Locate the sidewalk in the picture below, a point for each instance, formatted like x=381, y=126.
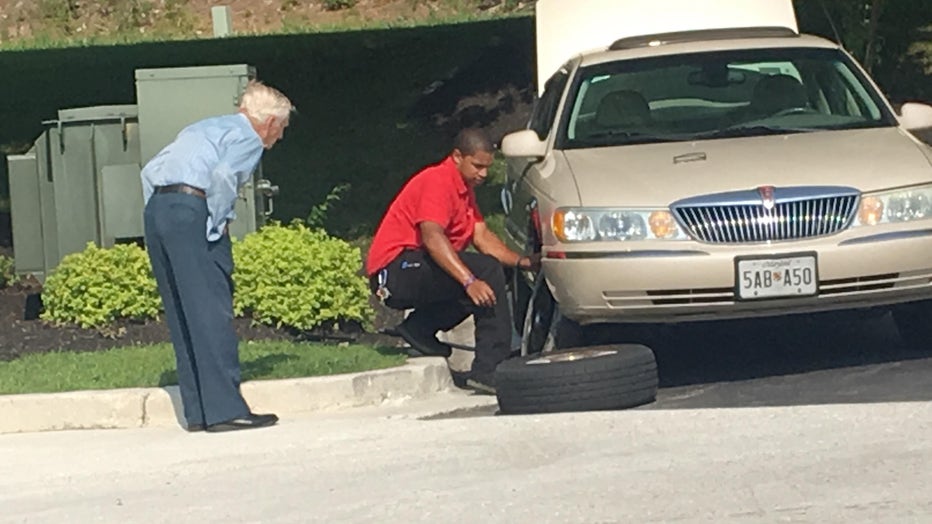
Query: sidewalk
x=419, y=378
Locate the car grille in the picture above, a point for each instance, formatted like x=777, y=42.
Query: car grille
x=748, y=221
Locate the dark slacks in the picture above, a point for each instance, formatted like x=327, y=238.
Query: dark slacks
x=440, y=302
x=194, y=281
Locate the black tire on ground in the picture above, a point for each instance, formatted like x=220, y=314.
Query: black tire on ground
x=582, y=379
x=914, y=322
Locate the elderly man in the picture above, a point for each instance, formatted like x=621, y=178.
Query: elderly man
x=190, y=189
x=418, y=259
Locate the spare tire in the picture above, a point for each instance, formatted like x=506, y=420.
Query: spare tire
x=582, y=379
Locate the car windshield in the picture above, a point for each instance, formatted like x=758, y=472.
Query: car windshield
x=725, y=94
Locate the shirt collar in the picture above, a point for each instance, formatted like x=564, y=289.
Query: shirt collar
x=458, y=181
x=248, y=124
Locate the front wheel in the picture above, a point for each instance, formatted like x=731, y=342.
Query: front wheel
x=544, y=328
x=520, y=296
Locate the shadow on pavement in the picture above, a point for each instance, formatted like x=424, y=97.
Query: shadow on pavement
x=805, y=359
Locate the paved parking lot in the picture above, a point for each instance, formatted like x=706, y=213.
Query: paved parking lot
x=789, y=361
x=807, y=360
x=808, y=420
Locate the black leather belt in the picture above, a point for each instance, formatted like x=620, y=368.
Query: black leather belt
x=181, y=188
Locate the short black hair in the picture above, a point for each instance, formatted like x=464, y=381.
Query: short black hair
x=471, y=140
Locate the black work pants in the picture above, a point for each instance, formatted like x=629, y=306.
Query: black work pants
x=439, y=302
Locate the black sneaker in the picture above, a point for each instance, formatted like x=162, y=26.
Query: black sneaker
x=425, y=343
x=483, y=384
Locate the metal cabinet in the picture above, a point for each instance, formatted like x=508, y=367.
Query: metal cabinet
x=171, y=98
x=32, y=209
x=79, y=183
x=94, y=154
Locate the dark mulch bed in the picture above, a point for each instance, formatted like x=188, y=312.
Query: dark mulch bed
x=19, y=336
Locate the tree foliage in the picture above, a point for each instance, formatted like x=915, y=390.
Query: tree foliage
x=891, y=38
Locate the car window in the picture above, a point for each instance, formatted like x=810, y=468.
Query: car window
x=545, y=110
x=719, y=94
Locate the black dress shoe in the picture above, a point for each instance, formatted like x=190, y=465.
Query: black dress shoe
x=250, y=421
x=194, y=428
x=425, y=343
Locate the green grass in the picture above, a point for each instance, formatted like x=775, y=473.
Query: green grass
x=154, y=366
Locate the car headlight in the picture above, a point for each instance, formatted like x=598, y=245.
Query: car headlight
x=590, y=224
x=891, y=207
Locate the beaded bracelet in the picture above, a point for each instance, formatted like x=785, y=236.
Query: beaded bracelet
x=469, y=281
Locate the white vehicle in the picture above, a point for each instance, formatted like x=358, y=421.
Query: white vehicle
x=708, y=165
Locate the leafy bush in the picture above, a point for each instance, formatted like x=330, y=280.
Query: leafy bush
x=98, y=286
x=317, y=218
x=6, y=271
x=299, y=277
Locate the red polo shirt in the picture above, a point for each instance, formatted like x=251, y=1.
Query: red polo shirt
x=436, y=194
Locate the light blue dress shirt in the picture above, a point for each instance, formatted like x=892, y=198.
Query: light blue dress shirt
x=217, y=155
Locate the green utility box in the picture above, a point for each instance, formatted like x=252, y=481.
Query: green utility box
x=78, y=184
x=171, y=98
x=32, y=207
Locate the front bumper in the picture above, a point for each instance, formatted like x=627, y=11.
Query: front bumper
x=689, y=281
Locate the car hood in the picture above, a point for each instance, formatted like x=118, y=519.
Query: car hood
x=658, y=174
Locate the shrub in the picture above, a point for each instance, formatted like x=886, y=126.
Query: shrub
x=6, y=271
x=98, y=286
x=299, y=277
x=318, y=214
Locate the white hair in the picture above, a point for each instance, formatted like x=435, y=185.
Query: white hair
x=260, y=102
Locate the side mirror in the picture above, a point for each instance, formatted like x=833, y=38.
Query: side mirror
x=524, y=144
x=915, y=116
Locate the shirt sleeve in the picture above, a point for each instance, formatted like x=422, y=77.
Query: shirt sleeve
x=239, y=158
x=147, y=188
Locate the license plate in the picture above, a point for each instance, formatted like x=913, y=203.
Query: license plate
x=775, y=277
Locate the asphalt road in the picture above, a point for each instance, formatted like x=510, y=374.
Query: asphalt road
x=850, y=358
x=804, y=360
x=826, y=464
x=817, y=419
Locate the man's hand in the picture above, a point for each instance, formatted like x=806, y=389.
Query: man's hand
x=486, y=241
x=481, y=294
x=529, y=262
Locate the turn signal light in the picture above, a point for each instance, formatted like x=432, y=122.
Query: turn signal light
x=662, y=224
x=871, y=212
x=558, y=223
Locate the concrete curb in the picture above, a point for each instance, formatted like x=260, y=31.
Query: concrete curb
x=419, y=378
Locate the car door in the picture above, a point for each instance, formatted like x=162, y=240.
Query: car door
x=519, y=194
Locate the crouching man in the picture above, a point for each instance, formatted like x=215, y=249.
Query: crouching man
x=418, y=259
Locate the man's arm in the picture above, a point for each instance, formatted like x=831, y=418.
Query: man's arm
x=487, y=242
x=439, y=248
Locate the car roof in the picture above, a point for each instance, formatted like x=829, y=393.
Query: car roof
x=567, y=28
x=703, y=41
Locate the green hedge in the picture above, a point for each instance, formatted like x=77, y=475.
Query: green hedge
x=97, y=286
x=299, y=277
x=284, y=276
